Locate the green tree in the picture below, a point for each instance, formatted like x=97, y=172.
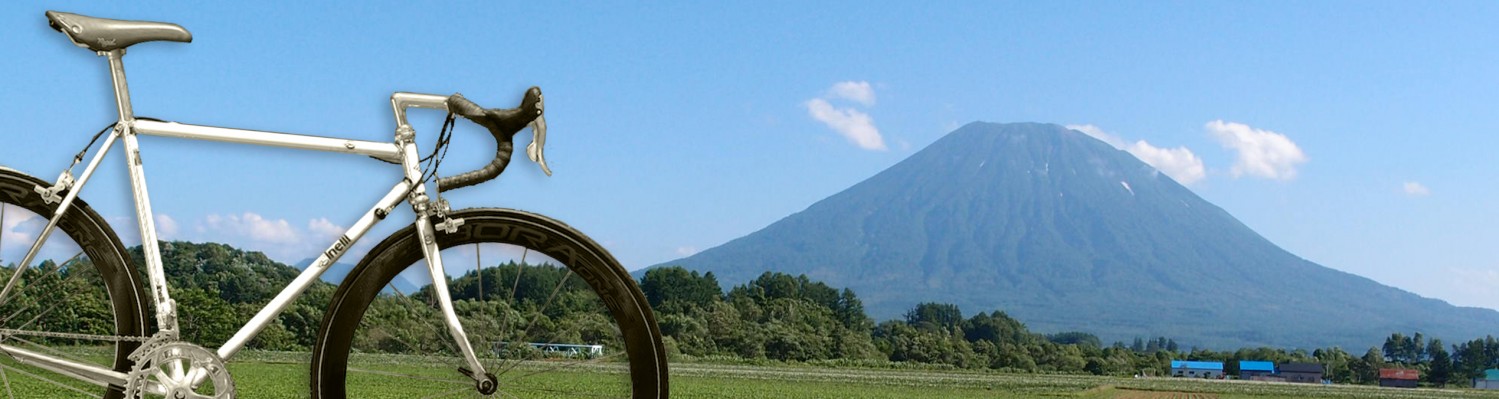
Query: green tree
x=1469, y=359
x=1336, y=363
x=935, y=316
x=1366, y=369
x=675, y=284
x=203, y=316
x=1075, y=338
x=996, y=327
x=1440, y=371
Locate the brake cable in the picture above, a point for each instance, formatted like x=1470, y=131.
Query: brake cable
x=79, y=158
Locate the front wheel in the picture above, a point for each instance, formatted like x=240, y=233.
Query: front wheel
x=548, y=312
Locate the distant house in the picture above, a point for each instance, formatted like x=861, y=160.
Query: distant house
x=1302, y=372
x=1490, y=380
x=1401, y=378
x=1250, y=369
x=1191, y=369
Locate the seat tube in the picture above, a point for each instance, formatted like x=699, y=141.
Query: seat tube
x=166, y=310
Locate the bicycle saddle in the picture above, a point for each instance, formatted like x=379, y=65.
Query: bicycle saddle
x=100, y=34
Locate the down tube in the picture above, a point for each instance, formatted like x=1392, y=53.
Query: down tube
x=315, y=270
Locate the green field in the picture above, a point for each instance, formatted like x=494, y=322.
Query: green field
x=284, y=375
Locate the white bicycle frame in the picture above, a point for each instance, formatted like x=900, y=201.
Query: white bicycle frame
x=410, y=189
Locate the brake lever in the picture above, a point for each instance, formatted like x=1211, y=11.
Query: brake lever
x=539, y=139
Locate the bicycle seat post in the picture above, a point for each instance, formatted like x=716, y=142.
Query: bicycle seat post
x=122, y=90
x=166, y=313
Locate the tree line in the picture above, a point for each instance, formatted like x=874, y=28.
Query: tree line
x=792, y=318
x=775, y=317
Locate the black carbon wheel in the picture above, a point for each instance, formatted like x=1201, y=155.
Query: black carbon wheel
x=572, y=324
x=75, y=301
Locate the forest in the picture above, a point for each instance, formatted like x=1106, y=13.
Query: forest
x=786, y=318
x=773, y=318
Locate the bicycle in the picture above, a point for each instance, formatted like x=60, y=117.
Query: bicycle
x=99, y=340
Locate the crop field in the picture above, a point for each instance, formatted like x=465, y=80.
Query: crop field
x=1131, y=394
x=284, y=375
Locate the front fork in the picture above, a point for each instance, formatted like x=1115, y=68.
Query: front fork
x=425, y=209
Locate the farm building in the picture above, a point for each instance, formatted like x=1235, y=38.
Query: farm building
x=1302, y=372
x=1490, y=380
x=1249, y=369
x=1401, y=378
x=1191, y=369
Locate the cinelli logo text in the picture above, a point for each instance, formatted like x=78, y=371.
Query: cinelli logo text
x=338, y=247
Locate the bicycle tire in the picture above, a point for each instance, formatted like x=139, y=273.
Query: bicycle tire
x=627, y=307
x=95, y=238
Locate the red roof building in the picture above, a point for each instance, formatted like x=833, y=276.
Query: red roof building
x=1402, y=378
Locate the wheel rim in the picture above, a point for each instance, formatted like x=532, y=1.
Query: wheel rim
x=97, y=322
x=527, y=307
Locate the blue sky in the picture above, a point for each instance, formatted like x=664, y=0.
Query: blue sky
x=1359, y=135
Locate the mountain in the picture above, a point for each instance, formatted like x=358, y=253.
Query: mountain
x=335, y=273
x=1066, y=233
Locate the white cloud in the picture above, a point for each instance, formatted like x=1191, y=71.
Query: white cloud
x=322, y=229
x=18, y=232
x=687, y=251
x=851, y=123
x=252, y=226
x=859, y=92
x=854, y=125
x=166, y=227
x=13, y=237
x=1261, y=153
x=1179, y=163
x=1416, y=189
x=1098, y=133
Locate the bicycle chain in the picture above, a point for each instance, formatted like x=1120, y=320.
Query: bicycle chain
x=6, y=333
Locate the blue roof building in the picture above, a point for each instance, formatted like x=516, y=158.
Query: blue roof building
x=1195, y=369
x=1490, y=380
x=1249, y=369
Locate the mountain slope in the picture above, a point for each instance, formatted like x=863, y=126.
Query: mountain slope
x=1067, y=233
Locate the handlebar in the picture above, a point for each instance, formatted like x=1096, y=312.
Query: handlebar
x=503, y=124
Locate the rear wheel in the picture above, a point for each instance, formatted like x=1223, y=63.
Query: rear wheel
x=79, y=300
x=548, y=312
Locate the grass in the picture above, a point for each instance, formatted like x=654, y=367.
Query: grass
x=285, y=375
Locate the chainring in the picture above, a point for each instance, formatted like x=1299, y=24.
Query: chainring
x=169, y=370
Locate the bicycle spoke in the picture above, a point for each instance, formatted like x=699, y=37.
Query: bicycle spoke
x=48, y=380
x=414, y=377
x=55, y=268
x=365, y=323
x=444, y=394
x=558, y=391
x=437, y=332
x=541, y=312
x=479, y=270
x=530, y=337
x=54, y=351
x=75, y=304
x=2, y=245
x=570, y=365
x=515, y=289
x=4, y=376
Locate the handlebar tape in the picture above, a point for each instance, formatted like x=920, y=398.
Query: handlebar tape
x=503, y=124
